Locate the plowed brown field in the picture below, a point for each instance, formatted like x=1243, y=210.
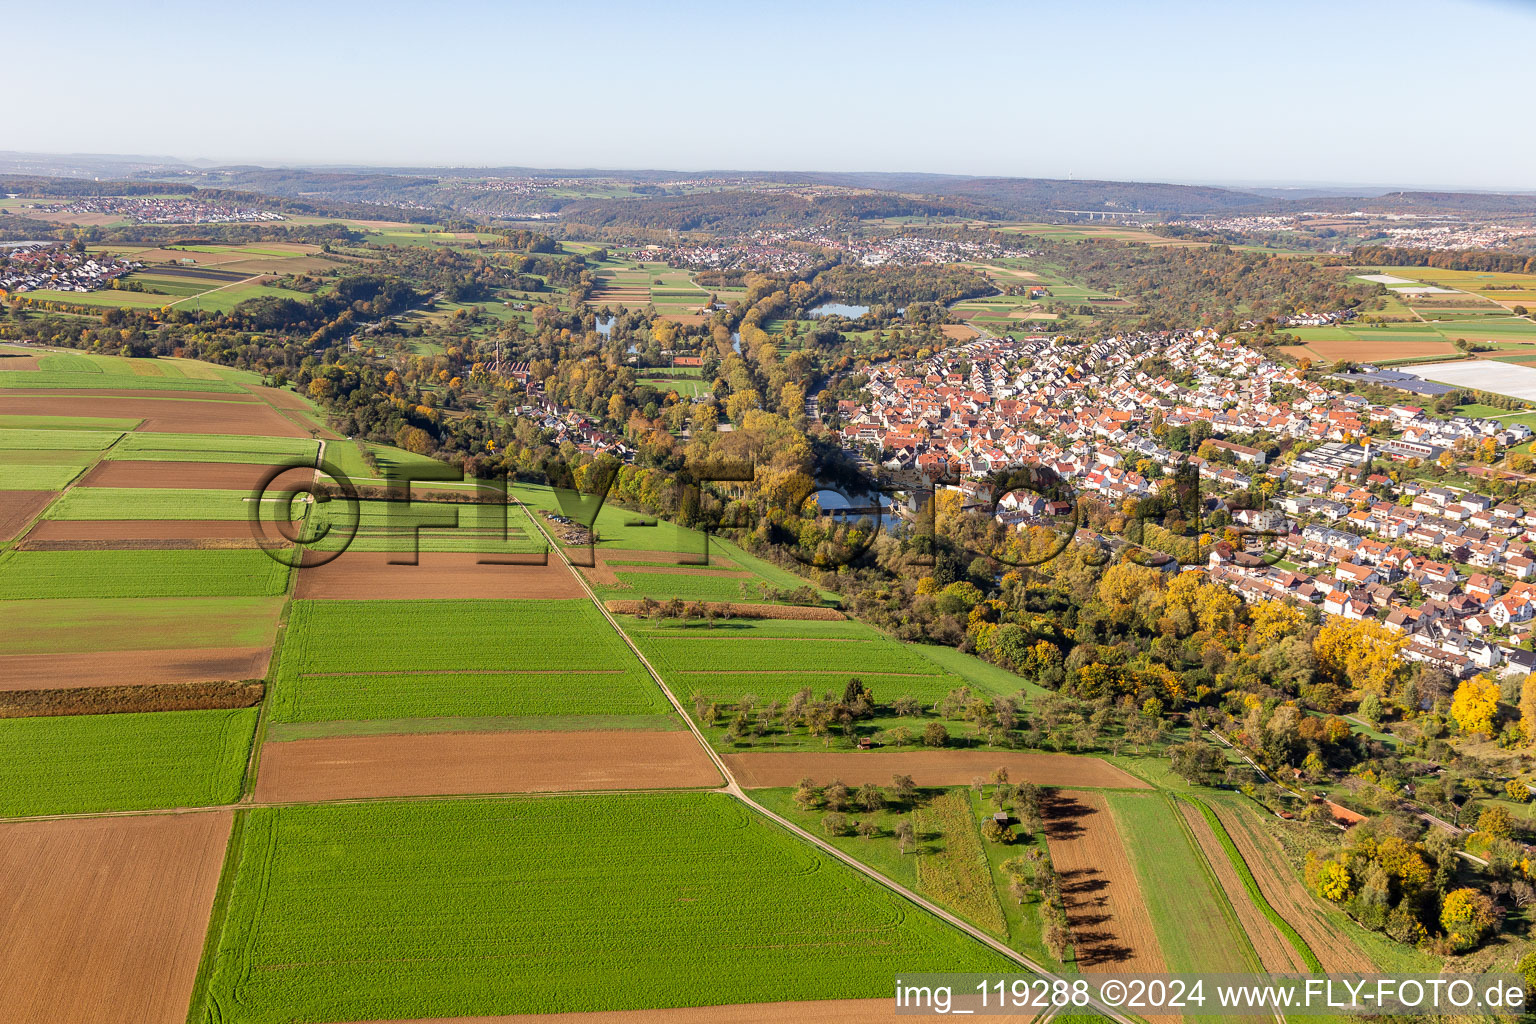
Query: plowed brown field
x=441, y=764
x=1111, y=929
x=232, y=476
x=18, y=508
x=104, y=918
x=364, y=575
x=1275, y=951
x=161, y=412
x=927, y=768
x=1283, y=888
x=124, y=668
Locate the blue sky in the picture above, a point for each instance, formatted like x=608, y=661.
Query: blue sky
x=1407, y=93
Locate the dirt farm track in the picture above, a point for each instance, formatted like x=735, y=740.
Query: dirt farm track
x=104, y=919
x=927, y=768
x=443, y=764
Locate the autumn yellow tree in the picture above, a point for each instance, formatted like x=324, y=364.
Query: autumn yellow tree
x=1476, y=705
x=1359, y=654
x=1273, y=621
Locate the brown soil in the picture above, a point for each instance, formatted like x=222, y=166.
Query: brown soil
x=600, y=574
x=104, y=918
x=229, y=476
x=1275, y=951
x=829, y=1011
x=440, y=764
x=1283, y=888
x=1111, y=929
x=161, y=413
x=364, y=575
x=128, y=668
x=927, y=768
x=8, y=362
x=959, y=332
x=746, y=611
x=18, y=508
x=116, y=700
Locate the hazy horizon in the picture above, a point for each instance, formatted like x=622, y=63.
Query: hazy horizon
x=1324, y=95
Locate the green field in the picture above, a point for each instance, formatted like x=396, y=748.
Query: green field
x=136, y=624
x=1197, y=928
x=41, y=439
x=103, y=423
x=98, y=503
x=102, y=574
x=772, y=659
x=359, y=660
x=16, y=476
x=84, y=763
x=215, y=448
x=413, y=910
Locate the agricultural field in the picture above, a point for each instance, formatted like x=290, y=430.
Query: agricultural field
x=29, y=575
x=703, y=880
x=775, y=658
x=128, y=896
x=345, y=661
x=169, y=447
x=948, y=862
x=85, y=763
x=124, y=624
x=1197, y=928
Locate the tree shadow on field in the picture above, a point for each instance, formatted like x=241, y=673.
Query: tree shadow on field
x=1062, y=816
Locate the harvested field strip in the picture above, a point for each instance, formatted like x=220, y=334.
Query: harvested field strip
x=19, y=508
x=1299, y=955
x=746, y=611
x=117, y=700
x=159, y=414
x=330, y=900
x=132, y=668
x=1197, y=929
x=234, y=476
x=359, y=767
x=105, y=918
x=101, y=574
x=1282, y=888
x=370, y=576
x=958, y=874
x=83, y=763
x=928, y=768
x=1111, y=928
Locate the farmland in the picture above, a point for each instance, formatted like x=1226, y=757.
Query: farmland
x=703, y=881
x=344, y=661
x=129, y=896
x=96, y=574
x=1196, y=927
x=70, y=765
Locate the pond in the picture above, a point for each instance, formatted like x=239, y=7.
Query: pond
x=838, y=309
